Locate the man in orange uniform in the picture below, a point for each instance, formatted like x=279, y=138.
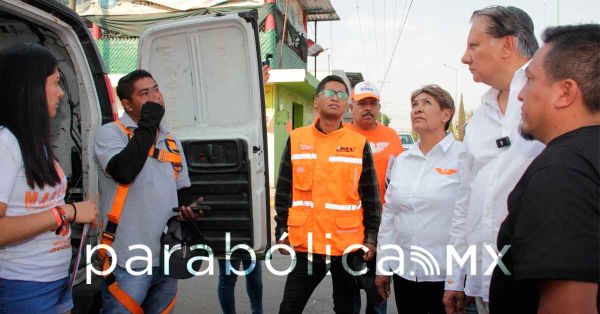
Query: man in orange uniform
x=385, y=145
x=327, y=202
x=385, y=142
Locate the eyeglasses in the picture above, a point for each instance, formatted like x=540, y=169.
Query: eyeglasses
x=330, y=93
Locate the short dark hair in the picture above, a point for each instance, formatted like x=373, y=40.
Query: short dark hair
x=510, y=21
x=327, y=79
x=574, y=53
x=440, y=95
x=125, y=86
x=24, y=70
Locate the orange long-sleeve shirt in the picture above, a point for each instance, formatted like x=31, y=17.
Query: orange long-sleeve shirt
x=384, y=142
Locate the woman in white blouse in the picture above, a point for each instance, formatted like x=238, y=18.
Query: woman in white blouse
x=418, y=208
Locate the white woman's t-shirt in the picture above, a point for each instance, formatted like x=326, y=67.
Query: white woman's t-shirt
x=42, y=258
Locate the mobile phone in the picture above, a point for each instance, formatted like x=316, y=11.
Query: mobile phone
x=195, y=208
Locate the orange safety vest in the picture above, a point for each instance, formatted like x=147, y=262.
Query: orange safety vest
x=325, y=199
x=173, y=155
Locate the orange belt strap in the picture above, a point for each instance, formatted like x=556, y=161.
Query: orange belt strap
x=173, y=156
x=171, y=305
x=125, y=299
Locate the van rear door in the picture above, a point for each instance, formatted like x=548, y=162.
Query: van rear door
x=209, y=71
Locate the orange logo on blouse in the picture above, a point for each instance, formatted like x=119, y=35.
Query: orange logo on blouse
x=446, y=171
x=33, y=202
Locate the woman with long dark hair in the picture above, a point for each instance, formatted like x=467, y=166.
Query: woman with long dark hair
x=34, y=219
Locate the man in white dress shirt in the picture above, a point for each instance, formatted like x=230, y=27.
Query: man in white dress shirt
x=500, y=43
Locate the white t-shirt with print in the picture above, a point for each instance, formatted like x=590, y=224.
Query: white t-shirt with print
x=43, y=258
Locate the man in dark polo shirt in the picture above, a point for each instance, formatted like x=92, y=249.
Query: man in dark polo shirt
x=553, y=222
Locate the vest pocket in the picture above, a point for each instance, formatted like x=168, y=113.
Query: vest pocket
x=303, y=174
x=347, y=222
x=348, y=232
x=296, y=222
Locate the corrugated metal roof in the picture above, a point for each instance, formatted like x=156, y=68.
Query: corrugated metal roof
x=354, y=78
x=319, y=10
x=268, y=44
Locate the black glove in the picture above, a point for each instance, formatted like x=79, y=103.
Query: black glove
x=128, y=163
x=151, y=115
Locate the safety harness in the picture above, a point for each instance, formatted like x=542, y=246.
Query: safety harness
x=171, y=155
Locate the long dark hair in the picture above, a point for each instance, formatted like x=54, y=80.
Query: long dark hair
x=24, y=68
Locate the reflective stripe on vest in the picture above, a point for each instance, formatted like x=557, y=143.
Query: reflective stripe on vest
x=304, y=156
x=348, y=160
x=303, y=203
x=172, y=154
x=343, y=206
x=326, y=169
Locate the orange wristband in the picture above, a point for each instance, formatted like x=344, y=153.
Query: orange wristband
x=57, y=217
x=63, y=230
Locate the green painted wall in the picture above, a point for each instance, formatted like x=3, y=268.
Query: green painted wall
x=285, y=97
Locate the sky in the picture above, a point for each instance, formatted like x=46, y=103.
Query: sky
x=434, y=34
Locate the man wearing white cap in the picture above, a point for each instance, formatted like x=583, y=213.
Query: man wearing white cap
x=385, y=144
x=384, y=141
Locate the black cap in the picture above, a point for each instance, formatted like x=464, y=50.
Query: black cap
x=186, y=234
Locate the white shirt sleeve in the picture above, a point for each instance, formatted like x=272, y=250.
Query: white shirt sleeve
x=385, y=236
x=386, y=230
x=9, y=167
x=459, y=220
x=109, y=142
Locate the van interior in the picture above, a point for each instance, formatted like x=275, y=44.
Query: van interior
x=78, y=115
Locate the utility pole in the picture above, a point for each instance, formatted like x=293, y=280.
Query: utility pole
x=315, y=44
x=73, y=5
x=455, y=79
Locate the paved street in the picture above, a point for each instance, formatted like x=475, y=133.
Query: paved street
x=199, y=294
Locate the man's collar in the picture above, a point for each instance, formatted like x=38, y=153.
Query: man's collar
x=318, y=126
x=127, y=120
x=491, y=96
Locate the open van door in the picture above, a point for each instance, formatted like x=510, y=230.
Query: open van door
x=209, y=71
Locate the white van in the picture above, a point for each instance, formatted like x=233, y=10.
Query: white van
x=209, y=71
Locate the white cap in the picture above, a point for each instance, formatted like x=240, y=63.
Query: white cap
x=364, y=90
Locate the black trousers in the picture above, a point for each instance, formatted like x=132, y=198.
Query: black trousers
x=299, y=285
x=418, y=297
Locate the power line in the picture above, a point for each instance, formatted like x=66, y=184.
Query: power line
x=330, y=46
x=395, y=14
x=362, y=39
x=384, y=32
x=395, y=46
